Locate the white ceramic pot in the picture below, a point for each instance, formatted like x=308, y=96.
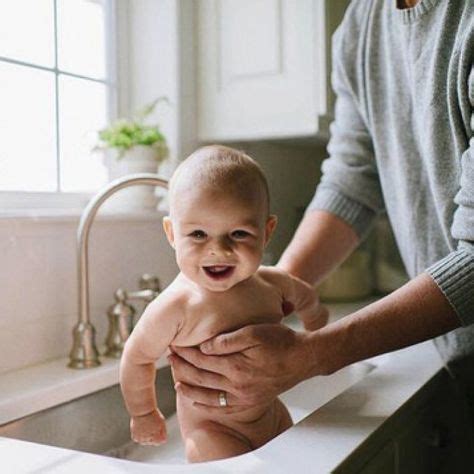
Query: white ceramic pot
x=138, y=159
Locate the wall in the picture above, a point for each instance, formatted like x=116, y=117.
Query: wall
x=38, y=279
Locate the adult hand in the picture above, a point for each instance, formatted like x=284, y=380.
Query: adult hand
x=251, y=365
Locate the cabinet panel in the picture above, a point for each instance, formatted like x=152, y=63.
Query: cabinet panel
x=383, y=462
x=250, y=34
x=430, y=434
x=262, y=67
x=437, y=439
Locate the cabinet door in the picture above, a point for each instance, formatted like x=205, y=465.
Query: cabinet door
x=437, y=439
x=383, y=462
x=263, y=67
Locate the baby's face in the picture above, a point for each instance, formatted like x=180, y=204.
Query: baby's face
x=218, y=239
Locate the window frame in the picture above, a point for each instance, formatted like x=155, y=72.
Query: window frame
x=25, y=202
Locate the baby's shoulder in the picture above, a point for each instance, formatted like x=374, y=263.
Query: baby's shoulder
x=174, y=299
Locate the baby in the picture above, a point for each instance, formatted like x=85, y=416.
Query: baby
x=218, y=225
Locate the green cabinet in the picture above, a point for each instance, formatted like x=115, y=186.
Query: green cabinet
x=430, y=434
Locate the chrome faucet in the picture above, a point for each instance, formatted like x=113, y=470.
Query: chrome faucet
x=121, y=314
x=84, y=353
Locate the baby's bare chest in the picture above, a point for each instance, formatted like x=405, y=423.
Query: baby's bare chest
x=209, y=316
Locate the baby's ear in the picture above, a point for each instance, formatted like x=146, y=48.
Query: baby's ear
x=168, y=228
x=270, y=227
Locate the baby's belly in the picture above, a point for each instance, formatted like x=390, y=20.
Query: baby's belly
x=257, y=424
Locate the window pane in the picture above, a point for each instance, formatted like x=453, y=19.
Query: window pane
x=27, y=30
x=81, y=37
x=27, y=129
x=82, y=111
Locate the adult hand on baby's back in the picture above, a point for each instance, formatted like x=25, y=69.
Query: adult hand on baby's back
x=251, y=365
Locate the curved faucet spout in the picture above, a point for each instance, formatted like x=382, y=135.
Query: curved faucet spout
x=84, y=352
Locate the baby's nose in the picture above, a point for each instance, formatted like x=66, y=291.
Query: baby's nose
x=220, y=247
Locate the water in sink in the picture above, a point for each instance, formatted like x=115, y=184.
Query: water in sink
x=98, y=423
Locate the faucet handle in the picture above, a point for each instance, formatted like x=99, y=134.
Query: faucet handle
x=121, y=314
x=149, y=282
x=120, y=317
x=149, y=289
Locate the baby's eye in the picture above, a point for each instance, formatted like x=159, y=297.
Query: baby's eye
x=240, y=234
x=198, y=234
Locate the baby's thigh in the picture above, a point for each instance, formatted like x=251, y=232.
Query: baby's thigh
x=229, y=435
x=273, y=421
x=213, y=442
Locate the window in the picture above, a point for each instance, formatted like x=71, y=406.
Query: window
x=56, y=91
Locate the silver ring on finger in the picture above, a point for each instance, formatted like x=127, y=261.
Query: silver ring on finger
x=222, y=399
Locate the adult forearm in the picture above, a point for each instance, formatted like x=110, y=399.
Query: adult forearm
x=321, y=243
x=415, y=312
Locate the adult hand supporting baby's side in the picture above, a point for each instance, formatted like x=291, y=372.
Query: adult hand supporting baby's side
x=252, y=365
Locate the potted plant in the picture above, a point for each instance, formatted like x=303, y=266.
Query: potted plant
x=131, y=145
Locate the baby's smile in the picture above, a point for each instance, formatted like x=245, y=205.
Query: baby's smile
x=219, y=272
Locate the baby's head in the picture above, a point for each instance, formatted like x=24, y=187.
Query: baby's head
x=219, y=222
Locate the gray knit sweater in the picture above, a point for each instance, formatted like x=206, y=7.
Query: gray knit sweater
x=402, y=141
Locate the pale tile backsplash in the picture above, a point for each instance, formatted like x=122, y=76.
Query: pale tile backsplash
x=38, y=279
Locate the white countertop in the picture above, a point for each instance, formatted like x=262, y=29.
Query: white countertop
x=46, y=385
x=318, y=443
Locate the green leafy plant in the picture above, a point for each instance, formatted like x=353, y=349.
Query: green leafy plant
x=123, y=134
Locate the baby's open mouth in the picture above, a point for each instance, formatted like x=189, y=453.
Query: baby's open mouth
x=218, y=272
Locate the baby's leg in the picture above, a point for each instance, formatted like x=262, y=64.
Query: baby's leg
x=203, y=444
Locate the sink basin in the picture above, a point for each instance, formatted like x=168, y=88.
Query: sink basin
x=98, y=423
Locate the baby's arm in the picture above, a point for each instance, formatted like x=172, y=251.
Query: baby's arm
x=303, y=298
x=149, y=340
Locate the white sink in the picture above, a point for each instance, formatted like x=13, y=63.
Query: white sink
x=98, y=423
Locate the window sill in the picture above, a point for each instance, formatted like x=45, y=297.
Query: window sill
x=73, y=215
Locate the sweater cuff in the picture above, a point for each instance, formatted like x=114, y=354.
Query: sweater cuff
x=358, y=216
x=454, y=274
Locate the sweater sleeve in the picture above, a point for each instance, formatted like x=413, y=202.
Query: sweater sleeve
x=349, y=186
x=454, y=274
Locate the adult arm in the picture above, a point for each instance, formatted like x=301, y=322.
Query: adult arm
x=417, y=311
x=454, y=274
x=321, y=243
x=414, y=313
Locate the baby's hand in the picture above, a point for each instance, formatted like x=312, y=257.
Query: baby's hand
x=149, y=429
x=316, y=320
